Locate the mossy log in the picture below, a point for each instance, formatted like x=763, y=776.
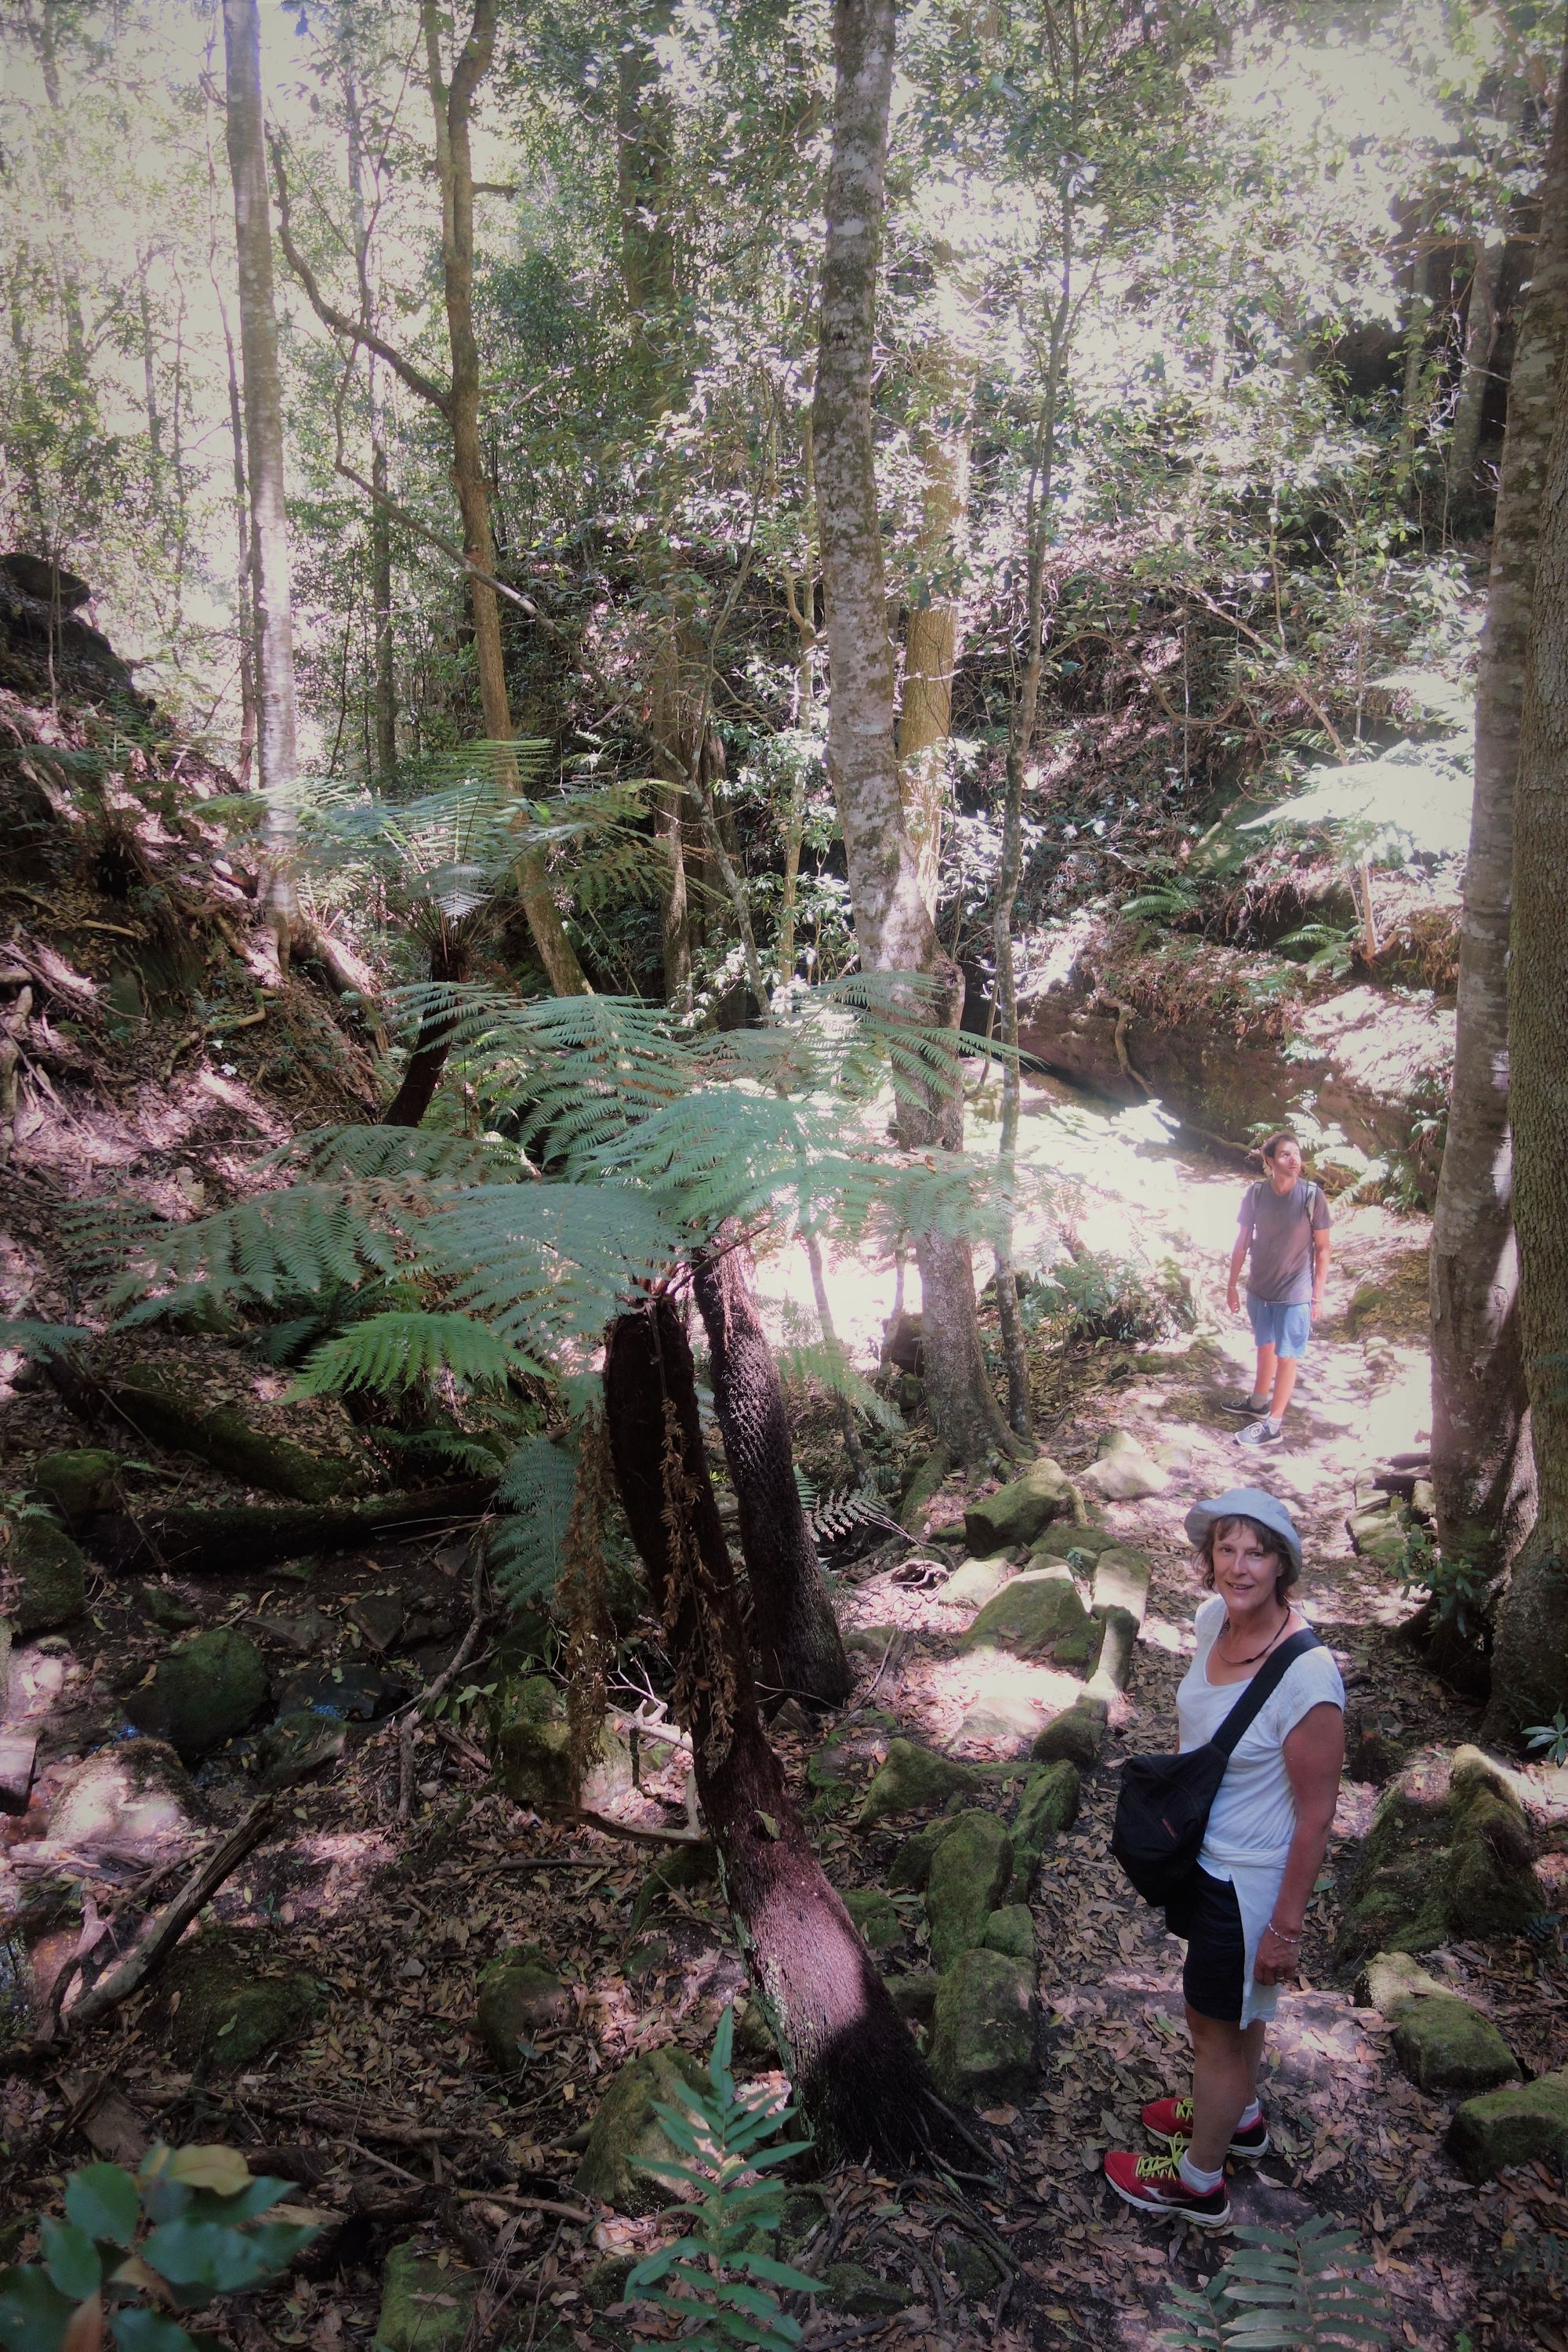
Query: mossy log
x=210, y=1542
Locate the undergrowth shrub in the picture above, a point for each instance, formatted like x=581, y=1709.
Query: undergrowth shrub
x=1283, y=2290
x=1096, y=1296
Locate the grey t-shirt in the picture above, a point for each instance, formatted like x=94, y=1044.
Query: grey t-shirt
x=1279, y=1227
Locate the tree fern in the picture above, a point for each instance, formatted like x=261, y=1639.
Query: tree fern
x=1298, y=2290
x=527, y=1548
x=404, y=1347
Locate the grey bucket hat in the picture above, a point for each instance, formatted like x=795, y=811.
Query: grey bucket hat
x=1247, y=1503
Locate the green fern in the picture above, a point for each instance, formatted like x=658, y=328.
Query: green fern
x=1298, y=2290
x=526, y=1549
x=40, y=1342
x=710, y=2282
x=404, y=1348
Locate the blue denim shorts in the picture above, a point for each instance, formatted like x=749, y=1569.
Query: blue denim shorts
x=1286, y=1329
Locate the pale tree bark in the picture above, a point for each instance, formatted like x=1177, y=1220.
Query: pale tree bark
x=800, y=601
x=893, y=924
x=271, y=602
x=383, y=691
x=1529, y=1660
x=931, y=629
x=1480, y=1453
x=1476, y=375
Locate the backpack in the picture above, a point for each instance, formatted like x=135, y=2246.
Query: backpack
x=1163, y=1804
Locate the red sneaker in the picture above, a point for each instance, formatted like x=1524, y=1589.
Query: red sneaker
x=1172, y=2121
x=1154, y=2185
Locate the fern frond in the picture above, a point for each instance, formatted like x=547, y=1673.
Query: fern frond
x=829, y=1367
x=401, y=1349
x=526, y=1549
x=39, y=1342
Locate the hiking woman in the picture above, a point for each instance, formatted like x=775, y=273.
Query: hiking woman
x=1267, y=1832
x=1282, y=1239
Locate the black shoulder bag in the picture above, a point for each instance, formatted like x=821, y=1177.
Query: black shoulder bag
x=1163, y=1808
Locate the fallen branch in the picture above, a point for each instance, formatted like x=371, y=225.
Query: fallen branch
x=243, y=1537
x=516, y=2204
x=638, y=1835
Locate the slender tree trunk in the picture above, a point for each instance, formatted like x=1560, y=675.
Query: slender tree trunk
x=793, y=1630
x=271, y=591
x=930, y=630
x=450, y=960
x=893, y=921
x=1480, y=1453
x=859, y=2080
x=1530, y=1659
x=801, y=603
x=669, y=824
x=383, y=692
x=452, y=109
x=1475, y=380
x=243, y=601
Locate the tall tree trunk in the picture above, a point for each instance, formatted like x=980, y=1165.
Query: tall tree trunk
x=384, y=690
x=452, y=107
x=1474, y=379
x=893, y=921
x=1480, y=1453
x=669, y=823
x=930, y=630
x=450, y=960
x=243, y=598
x=270, y=593
x=793, y=1630
x=859, y=2080
x=1530, y=1659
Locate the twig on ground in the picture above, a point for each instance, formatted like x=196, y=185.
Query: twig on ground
x=635, y=1832
x=515, y=2203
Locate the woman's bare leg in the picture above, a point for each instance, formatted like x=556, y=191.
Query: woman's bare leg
x=1226, y=2059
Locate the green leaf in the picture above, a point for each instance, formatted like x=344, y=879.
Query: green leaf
x=149, y=2331
x=207, y=2254
x=33, y=2312
x=71, y=2258
x=101, y=2199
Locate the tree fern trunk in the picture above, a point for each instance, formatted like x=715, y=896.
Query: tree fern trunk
x=448, y=961
x=793, y=1630
x=859, y=2080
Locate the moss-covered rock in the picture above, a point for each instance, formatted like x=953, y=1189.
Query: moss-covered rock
x=1378, y=1533
x=1113, y=1659
x=1124, y=1472
x=982, y=2029
x=1444, y=2044
x=1509, y=2127
x=1391, y=1979
x=912, y=1779
x=910, y=1867
x=299, y=1744
x=50, y=1572
x=1492, y=1887
x=1048, y=1807
x=531, y=1744
x=969, y=1872
x=1076, y=1736
x=424, y=2306
x=626, y=2132
x=1011, y=1930
x=684, y=1871
x=850, y=2287
x=226, y=2014
x=974, y=1583
x=1038, y=1615
x=1002, y=1720
x=208, y=1690
x=1062, y=1539
x=1448, y=1852
x=80, y=1481
x=1121, y=1581
x=1016, y=1513
x=876, y=1917
x=519, y=1995
x=914, y=1995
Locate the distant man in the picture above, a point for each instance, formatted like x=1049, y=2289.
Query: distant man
x=1283, y=1231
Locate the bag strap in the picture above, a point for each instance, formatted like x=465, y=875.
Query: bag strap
x=1261, y=1688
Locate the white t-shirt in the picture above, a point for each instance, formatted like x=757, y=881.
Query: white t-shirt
x=1253, y=1818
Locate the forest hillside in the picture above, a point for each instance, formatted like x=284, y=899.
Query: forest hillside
x=705, y=714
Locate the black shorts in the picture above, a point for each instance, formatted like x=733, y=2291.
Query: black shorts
x=1215, y=1979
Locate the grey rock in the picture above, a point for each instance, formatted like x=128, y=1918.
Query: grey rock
x=1038, y=1615
x=983, y=2031
x=1016, y=1513
x=626, y=2131
x=969, y=1872
x=1124, y=1472
x=209, y=1690
x=1076, y=1735
x=912, y=1779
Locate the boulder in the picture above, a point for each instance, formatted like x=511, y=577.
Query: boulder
x=1076, y=1735
x=850, y=2287
x=1449, y=1851
x=913, y=1780
x=1492, y=1887
x=914, y=1995
x=133, y=1800
x=520, y=1996
x=1379, y=1535
x=1444, y=2044
x=1016, y=1513
x=1048, y=1807
x=1011, y=1930
x=876, y=1917
x=1121, y=1581
x=1374, y=1747
x=754, y=2046
x=1391, y=1979
x=378, y=1616
x=297, y=1745
x=626, y=2131
x=51, y=1576
x=424, y=2306
x=982, y=2029
x=1113, y=1659
x=969, y=1872
x=1124, y=1472
x=226, y=2014
x=1508, y=2127
x=533, y=1750
x=1038, y=1615
x=81, y=1481
x=211, y=1688
x=973, y=1583
x=910, y=1867
x=1000, y=1720
x=1060, y=1541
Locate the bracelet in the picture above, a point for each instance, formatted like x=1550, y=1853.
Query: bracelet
x=1285, y=1937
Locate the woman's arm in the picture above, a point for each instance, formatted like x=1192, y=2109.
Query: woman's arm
x=1314, y=1758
